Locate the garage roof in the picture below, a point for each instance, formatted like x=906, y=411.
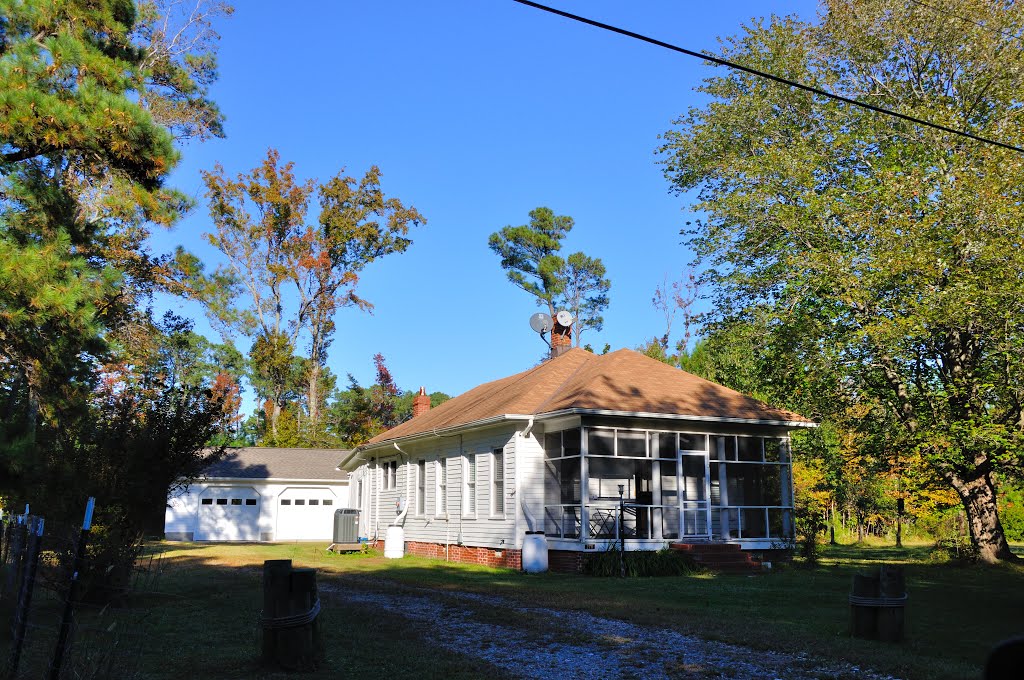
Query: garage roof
x=259, y=462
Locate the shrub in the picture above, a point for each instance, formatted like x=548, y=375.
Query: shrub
x=664, y=562
x=956, y=549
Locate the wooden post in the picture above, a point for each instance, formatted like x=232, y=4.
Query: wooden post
x=291, y=628
x=301, y=652
x=275, y=595
x=863, y=618
x=890, y=618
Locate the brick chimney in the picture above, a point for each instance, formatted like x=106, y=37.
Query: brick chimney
x=561, y=339
x=420, y=403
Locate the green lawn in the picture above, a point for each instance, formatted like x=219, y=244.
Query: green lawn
x=203, y=617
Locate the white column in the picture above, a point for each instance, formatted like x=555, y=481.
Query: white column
x=584, y=488
x=723, y=490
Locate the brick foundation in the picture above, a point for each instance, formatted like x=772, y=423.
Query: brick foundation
x=488, y=557
x=567, y=561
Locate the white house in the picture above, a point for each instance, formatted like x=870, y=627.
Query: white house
x=261, y=494
x=548, y=450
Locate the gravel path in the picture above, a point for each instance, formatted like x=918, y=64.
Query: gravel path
x=534, y=642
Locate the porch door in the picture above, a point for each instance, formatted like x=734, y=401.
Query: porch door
x=693, y=483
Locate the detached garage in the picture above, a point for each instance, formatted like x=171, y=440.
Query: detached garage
x=261, y=494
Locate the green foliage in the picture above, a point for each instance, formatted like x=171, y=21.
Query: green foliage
x=1011, y=512
x=286, y=276
x=884, y=260
x=639, y=563
x=97, y=398
x=529, y=254
x=362, y=413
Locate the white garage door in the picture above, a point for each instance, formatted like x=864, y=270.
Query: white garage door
x=305, y=514
x=229, y=513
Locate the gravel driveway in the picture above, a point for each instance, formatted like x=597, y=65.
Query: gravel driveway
x=534, y=642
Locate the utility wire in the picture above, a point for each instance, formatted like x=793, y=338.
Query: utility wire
x=762, y=74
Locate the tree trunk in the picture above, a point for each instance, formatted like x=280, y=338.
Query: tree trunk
x=313, y=397
x=978, y=496
x=32, y=413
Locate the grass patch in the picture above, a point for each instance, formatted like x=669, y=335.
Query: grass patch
x=203, y=618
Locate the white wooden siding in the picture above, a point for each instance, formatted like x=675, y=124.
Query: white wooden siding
x=483, y=529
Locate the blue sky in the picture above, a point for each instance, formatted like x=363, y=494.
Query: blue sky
x=476, y=112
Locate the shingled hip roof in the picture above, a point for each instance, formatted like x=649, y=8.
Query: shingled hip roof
x=622, y=382
x=258, y=462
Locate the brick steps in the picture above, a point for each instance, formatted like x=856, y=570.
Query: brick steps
x=726, y=558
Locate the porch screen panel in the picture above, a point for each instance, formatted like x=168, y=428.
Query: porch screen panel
x=562, y=483
x=692, y=442
x=601, y=442
x=750, y=480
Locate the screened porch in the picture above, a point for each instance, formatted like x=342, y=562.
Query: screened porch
x=675, y=485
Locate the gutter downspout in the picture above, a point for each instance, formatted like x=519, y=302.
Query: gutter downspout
x=408, y=477
x=462, y=489
x=531, y=522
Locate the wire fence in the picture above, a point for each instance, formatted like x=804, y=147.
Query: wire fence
x=68, y=611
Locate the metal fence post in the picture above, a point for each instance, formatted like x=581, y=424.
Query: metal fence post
x=69, y=605
x=35, y=536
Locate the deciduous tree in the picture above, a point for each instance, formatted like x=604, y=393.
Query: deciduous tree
x=286, y=274
x=893, y=248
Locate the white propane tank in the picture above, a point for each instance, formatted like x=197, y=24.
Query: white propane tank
x=394, y=543
x=535, y=552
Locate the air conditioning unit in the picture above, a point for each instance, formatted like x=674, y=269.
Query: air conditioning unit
x=346, y=526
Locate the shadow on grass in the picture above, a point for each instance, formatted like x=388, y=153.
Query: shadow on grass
x=954, y=616
x=206, y=609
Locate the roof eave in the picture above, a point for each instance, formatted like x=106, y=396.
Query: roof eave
x=275, y=480
x=675, y=416
x=357, y=453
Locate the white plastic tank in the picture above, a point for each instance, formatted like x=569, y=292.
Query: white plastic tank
x=394, y=543
x=535, y=552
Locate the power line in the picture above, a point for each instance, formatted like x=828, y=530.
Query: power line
x=762, y=74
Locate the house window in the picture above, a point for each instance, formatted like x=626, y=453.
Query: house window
x=314, y=501
x=421, y=487
x=441, y=488
x=391, y=474
x=469, y=486
x=497, y=482
x=286, y=501
x=222, y=501
x=236, y=501
x=328, y=501
x=250, y=501
x=207, y=501
x=300, y=501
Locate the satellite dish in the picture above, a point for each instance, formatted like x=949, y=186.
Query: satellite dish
x=564, y=318
x=541, y=322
